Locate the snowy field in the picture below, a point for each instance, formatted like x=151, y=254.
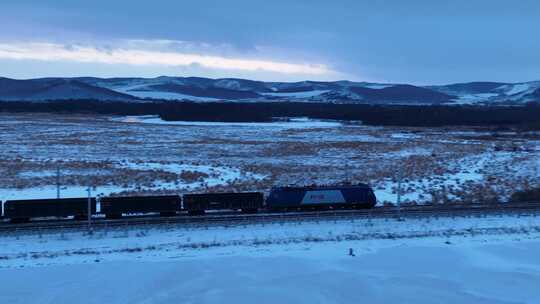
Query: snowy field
x=436, y=260
x=145, y=155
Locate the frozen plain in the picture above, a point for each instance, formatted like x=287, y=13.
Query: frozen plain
x=145, y=155
x=438, y=260
x=489, y=260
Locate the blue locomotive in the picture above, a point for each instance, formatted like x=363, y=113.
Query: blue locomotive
x=321, y=197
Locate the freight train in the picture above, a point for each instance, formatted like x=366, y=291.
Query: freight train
x=280, y=199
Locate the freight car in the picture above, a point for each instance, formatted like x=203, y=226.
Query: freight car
x=321, y=197
x=248, y=202
x=24, y=210
x=165, y=205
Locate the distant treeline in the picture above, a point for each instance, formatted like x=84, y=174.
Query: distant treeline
x=529, y=195
x=400, y=115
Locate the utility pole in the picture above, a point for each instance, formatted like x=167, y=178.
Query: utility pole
x=536, y=182
x=89, y=210
x=58, y=182
x=398, y=203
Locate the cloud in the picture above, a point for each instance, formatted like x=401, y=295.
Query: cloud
x=162, y=53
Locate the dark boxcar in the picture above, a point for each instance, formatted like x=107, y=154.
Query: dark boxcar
x=321, y=197
x=25, y=209
x=248, y=202
x=114, y=207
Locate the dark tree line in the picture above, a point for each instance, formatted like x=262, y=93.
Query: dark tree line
x=529, y=195
x=527, y=117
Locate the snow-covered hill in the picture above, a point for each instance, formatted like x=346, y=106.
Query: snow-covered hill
x=232, y=89
x=55, y=89
x=492, y=92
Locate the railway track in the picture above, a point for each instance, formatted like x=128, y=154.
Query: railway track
x=228, y=219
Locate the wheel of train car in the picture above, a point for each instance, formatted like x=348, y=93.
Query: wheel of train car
x=196, y=212
x=19, y=220
x=277, y=210
x=250, y=210
x=80, y=217
x=165, y=214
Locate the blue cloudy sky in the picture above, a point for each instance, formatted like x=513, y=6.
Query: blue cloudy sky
x=415, y=41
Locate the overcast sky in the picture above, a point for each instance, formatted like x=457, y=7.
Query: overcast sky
x=414, y=41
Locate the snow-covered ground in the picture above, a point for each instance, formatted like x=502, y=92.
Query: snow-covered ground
x=167, y=95
x=304, y=94
x=210, y=177
x=437, y=260
x=139, y=88
x=466, y=171
x=517, y=88
x=293, y=123
x=146, y=155
x=474, y=98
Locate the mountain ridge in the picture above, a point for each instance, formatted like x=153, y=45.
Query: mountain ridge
x=200, y=89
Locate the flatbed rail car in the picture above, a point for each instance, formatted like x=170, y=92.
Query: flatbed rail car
x=248, y=202
x=116, y=207
x=321, y=197
x=24, y=210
